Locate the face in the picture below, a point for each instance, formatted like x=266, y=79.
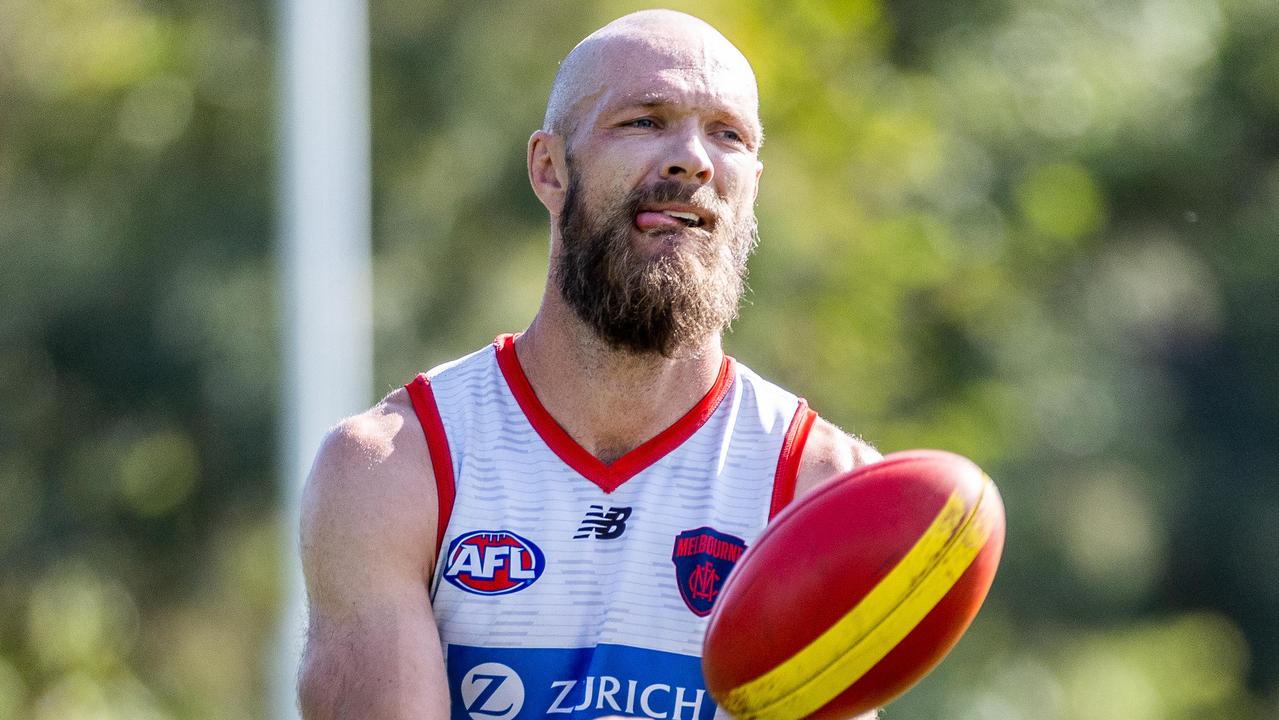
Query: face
x=658, y=217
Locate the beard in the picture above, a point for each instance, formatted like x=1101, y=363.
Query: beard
x=653, y=303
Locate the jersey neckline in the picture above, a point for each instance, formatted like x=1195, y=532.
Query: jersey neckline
x=608, y=476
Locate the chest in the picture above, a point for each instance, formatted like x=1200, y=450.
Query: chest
x=537, y=556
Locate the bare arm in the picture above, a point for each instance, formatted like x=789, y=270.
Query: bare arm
x=368, y=549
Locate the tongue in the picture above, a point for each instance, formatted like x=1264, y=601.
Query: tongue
x=653, y=220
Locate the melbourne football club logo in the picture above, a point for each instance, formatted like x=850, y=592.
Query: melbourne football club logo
x=493, y=562
x=703, y=558
x=492, y=691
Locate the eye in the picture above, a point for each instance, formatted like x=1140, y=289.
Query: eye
x=644, y=122
x=731, y=135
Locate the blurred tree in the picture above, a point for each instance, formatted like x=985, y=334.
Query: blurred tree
x=137, y=358
x=1039, y=233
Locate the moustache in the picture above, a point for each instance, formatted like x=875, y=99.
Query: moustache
x=700, y=197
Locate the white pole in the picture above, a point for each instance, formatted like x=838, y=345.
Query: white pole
x=325, y=221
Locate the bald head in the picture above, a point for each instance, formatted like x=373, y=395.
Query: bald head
x=649, y=41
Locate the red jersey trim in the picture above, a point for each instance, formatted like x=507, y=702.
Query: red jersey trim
x=608, y=477
x=428, y=414
x=790, y=457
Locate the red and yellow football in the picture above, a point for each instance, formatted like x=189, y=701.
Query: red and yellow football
x=857, y=590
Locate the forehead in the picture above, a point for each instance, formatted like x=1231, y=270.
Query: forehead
x=684, y=72
x=681, y=87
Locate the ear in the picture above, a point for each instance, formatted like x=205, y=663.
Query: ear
x=759, y=169
x=547, y=170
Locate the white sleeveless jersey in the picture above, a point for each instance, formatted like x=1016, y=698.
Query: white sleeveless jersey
x=565, y=587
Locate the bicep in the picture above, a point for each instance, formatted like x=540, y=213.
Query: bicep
x=373, y=650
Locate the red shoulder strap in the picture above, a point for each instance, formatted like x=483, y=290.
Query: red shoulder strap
x=437, y=443
x=788, y=460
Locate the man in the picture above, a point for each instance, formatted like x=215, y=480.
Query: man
x=555, y=514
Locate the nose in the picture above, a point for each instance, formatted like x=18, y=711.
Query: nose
x=688, y=160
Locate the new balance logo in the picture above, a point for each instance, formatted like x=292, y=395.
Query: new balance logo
x=603, y=524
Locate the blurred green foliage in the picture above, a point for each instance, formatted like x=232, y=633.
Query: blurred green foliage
x=1041, y=233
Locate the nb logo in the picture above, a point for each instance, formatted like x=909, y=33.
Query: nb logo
x=603, y=524
x=492, y=691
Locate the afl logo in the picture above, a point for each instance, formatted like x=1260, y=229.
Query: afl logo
x=493, y=562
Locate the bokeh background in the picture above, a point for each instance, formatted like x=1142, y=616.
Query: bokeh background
x=1043, y=233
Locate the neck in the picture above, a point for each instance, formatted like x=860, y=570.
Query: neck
x=610, y=401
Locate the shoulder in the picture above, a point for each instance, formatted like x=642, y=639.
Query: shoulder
x=378, y=440
x=371, y=494
x=830, y=452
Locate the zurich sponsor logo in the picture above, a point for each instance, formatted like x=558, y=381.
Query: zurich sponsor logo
x=654, y=700
x=492, y=691
x=495, y=683
x=493, y=562
x=703, y=558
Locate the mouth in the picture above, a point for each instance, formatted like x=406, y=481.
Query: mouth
x=658, y=217
x=689, y=219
